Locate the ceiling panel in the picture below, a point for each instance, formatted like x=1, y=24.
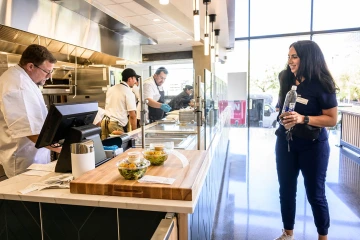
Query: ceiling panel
x=181, y=34
x=175, y=21
x=168, y=27
x=152, y=29
x=154, y=16
x=175, y=48
x=105, y=2
x=148, y=49
x=120, y=10
x=122, y=1
x=138, y=21
x=164, y=35
x=187, y=5
x=172, y=45
x=135, y=7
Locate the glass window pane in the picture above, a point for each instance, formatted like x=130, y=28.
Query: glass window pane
x=343, y=62
x=237, y=60
x=334, y=14
x=241, y=18
x=267, y=58
x=279, y=16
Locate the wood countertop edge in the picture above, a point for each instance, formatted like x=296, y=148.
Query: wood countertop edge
x=63, y=196
x=199, y=182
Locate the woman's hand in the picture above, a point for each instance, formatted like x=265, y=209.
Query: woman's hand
x=290, y=119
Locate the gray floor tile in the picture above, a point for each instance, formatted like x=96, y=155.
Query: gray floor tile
x=249, y=206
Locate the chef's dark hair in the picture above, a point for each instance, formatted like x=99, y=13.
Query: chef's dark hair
x=188, y=87
x=161, y=69
x=36, y=54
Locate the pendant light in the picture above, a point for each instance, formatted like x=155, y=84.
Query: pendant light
x=212, y=18
x=196, y=15
x=206, y=28
x=217, y=33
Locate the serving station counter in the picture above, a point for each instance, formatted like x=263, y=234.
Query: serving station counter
x=119, y=213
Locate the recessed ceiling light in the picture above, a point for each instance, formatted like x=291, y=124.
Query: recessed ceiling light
x=156, y=20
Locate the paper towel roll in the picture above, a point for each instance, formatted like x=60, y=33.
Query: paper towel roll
x=81, y=163
x=82, y=158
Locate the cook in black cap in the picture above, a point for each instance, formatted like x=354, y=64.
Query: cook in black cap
x=127, y=73
x=183, y=99
x=120, y=106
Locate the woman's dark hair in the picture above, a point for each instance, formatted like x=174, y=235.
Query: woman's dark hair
x=36, y=54
x=312, y=68
x=161, y=69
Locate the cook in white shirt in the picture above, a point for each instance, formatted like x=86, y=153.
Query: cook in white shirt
x=120, y=106
x=23, y=110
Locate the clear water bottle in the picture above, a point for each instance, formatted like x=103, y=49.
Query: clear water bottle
x=290, y=100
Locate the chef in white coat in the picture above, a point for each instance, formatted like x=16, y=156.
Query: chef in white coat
x=155, y=95
x=23, y=110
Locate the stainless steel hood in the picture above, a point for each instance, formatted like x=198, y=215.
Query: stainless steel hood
x=66, y=32
x=60, y=73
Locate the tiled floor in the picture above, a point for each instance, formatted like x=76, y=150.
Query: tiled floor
x=250, y=208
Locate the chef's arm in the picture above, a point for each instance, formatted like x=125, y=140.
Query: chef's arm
x=34, y=138
x=153, y=103
x=132, y=120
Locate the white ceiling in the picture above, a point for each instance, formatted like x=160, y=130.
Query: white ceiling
x=170, y=25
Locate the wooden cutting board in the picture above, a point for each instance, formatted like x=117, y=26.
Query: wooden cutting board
x=106, y=179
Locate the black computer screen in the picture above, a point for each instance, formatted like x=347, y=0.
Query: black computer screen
x=72, y=123
x=62, y=117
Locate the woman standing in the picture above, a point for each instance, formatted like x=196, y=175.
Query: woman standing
x=302, y=140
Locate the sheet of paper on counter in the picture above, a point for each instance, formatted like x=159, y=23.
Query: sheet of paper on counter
x=36, y=173
x=156, y=179
x=60, y=181
x=50, y=167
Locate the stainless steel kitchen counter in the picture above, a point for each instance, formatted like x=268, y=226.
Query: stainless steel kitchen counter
x=183, y=136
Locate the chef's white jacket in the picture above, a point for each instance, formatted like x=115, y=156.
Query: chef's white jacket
x=150, y=90
x=119, y=101
x=22, y=114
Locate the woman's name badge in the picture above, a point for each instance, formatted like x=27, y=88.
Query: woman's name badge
x=302, y=100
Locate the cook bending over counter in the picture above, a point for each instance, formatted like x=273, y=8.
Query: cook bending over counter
x=155, y=95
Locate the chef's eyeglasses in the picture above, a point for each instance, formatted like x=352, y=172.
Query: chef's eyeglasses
x=47, y=73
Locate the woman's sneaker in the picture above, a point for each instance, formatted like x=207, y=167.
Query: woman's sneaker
x=284, y=236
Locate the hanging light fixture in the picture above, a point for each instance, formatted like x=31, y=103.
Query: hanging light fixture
x=196, y=15
x=206, y=29
x=217, y=33
x=212, y=18
x=164, y=2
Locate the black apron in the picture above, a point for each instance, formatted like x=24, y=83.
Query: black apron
x=157, y=113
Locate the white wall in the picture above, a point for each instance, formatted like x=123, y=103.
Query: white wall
x=237, y=86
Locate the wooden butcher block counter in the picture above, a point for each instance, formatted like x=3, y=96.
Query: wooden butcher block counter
x=106, y=179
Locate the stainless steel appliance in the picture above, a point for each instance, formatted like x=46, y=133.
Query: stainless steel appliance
x=61, y=83
x=92, y=83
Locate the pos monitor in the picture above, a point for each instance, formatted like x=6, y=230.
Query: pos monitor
x=69, y=123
